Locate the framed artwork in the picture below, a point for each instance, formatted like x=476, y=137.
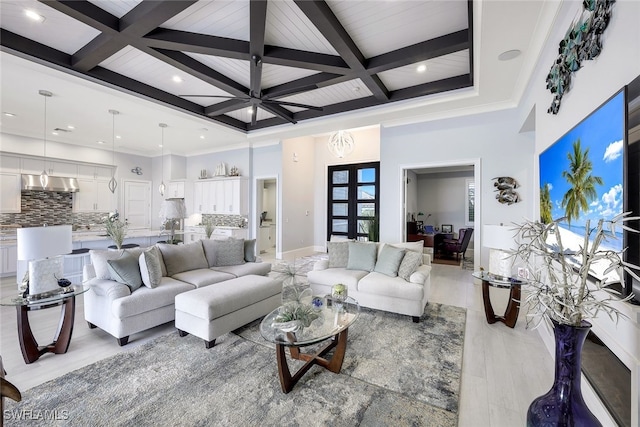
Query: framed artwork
x=447, y=228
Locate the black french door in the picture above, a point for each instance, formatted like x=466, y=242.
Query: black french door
x=353, y=199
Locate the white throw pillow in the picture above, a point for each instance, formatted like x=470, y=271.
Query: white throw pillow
x=150, y=269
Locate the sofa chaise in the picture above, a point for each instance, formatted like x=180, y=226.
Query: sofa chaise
x=389, y=277
x=133, y=290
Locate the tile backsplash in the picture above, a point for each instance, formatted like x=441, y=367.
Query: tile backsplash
x=51, y=208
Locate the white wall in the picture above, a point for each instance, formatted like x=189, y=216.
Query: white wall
x=412, y=196
x=266, y=162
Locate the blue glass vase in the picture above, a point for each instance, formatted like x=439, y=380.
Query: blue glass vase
x=563, y=405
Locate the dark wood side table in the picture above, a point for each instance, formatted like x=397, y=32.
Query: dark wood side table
x=31, y=351
x=510, y=316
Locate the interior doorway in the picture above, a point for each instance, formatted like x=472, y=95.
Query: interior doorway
x=137, y=203
x=267, y=216
x=439, y=196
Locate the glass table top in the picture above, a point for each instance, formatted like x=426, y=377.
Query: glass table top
x=497, y=281
x=332, y=318
x=57, y=298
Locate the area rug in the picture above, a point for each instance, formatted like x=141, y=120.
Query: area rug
x=395, y=372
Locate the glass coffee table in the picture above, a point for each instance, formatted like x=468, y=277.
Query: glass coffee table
x=333, y=322
x=31, y=351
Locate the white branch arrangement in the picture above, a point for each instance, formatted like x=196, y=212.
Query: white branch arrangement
x=116, y=229
x=559, y=285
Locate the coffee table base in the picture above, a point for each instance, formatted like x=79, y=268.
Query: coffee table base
x=288, y=381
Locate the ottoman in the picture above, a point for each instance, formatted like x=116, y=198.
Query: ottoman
x=214, y=310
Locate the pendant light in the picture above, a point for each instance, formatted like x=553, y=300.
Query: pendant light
x=161, y=188
x=341, y=143
x=44, y=177
x=112, y=182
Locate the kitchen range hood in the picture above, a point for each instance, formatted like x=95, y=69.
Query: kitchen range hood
x=56, y=183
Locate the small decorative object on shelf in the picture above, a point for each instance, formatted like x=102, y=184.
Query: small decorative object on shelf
x=203, y=174
x=221, y=169
x=339, y=292
x=234, y=171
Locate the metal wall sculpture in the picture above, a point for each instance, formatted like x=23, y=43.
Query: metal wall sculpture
x=583, y=41
x=506, y=186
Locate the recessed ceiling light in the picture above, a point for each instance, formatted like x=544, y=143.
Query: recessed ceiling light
x=8, y=114
x=33, y=15
x=421, y=68
x=54, y=133
x=250, y=110
x=201, y=136
x=356, y=88
x=100, y=142
x=177, y=79
x=118, y=137
x=160, y=145
x=509, y=54
x=72, y=127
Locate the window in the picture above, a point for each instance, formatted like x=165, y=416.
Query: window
x=469, y=202
x=353, y=200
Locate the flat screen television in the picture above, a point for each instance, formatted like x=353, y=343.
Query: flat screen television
x=583, y=174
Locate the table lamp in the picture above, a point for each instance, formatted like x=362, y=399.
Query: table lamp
x=172, y=210
x=43, y=247
x=499, y=239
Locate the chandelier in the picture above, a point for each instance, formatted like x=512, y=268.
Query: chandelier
x=112, y=182
x=162, y=187
x=44, y=177
x=341, y=143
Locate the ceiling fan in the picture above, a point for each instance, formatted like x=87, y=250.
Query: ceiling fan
x=256, y=101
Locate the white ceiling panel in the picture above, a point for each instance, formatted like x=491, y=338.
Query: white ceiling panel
x=117, y=8
x=245, y=116
x=342, y=92
x=379, y=27
x=58, y=30
x=454, y=64
x=222, y=18
x=235, y=69
x=274, y=75
x=145, y=68
x=288, y=27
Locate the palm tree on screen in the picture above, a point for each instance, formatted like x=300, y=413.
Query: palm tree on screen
x=545, y=204
x=583, y=184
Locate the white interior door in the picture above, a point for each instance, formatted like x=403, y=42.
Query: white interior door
x=137, y=204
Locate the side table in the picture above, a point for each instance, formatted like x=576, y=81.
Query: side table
x=31, y=351
x=510, y=316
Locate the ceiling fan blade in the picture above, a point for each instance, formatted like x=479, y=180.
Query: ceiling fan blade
x=292, y=104
x=214, y=96
x=254, y=115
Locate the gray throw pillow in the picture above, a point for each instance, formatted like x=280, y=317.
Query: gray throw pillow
x=250, y=250
x=338, y=254
x=179, y=258
x=389, y=260
x=150, y=269
x=229, y=252
x=410, y=263
x=99, y=258
x=362, y=256
x=125, y=270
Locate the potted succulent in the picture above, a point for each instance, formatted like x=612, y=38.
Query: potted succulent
x=561, y=291
x=293, y=317
x=208, y=227
x=116, y=228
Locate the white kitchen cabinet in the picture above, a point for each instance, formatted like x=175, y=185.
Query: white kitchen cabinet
x=94, y=172
x=10, y=183
x=175, y=190
x=33, y=166
x=8, y=260
x=265, y=239
x=93, y=196
x=218, y=195
x=66, y=169
x=9, y=163
x=238, y=191
x=201, y=197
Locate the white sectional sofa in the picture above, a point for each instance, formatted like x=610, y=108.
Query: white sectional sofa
x=389, y=277
x=134, y=289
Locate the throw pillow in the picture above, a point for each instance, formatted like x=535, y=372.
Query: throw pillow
x=209, y=246
x=229, y=252
x=179, y=258
x=389, y=260
x=126, y=270
x=410, y=263
x=150, y=269
x=338, y=254
x=412, y=246
x=250, y=250
x=362, y=256
x=99, y=258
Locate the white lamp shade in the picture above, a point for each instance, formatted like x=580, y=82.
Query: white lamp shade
x=498, y=237
x=173, y=209
x=43, y=242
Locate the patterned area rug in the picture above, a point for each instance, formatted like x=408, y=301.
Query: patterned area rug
x=395, y=372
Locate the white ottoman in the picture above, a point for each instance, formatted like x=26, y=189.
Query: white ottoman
x=214, y=310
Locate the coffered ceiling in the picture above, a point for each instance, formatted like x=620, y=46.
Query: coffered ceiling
x=244, y=67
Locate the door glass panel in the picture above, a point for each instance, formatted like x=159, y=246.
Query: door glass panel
x=340, y=193
x=340, y=209
x=367, y=175
x=366, y=192
x=363, y=226
x=340, y=177
x=366, y=209
x=340, y=225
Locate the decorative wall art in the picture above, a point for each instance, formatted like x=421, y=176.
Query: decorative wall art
x=583, y=41
x=137, y=170
x=506, y=186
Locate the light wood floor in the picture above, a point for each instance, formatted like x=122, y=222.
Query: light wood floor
x=503, y=369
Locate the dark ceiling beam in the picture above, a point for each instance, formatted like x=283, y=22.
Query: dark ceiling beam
x=25, y=47
x=470, y=35
x=444, y=85
x=257, y=27
x=184, y=41
x=226, y=106
x=327, y=23
x=198, y=69
x=87, y=13
x=142, y=19
x=303, y=59
x=303, y=84
x=418, y=52
x=279, y=111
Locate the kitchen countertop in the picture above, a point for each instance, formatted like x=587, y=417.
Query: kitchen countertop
x=83, y=236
